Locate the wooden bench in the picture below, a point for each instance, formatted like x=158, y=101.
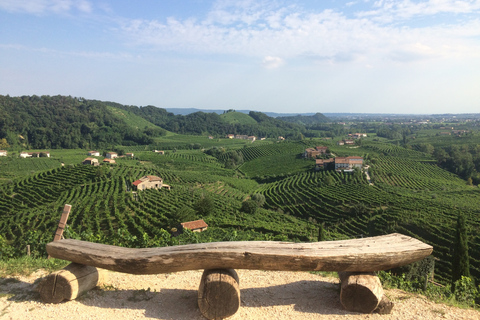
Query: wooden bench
x=219, y=296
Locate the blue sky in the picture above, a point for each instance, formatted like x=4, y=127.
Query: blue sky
x=368, y=56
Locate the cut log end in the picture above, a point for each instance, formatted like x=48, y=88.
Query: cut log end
x=219, y=293
x=360, y=292
x=70, y=282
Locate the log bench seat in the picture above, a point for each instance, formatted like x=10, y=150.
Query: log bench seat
x=219, y=284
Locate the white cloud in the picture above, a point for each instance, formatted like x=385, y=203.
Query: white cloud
x=45, y=6
x=270, y=62
x=390, y=10
x=328, y=34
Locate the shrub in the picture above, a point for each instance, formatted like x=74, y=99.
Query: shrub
x=249, y=206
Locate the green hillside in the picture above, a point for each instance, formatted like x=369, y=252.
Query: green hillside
x=237, y=118
x=131, y=119
x=306, y=120
x=59, y=122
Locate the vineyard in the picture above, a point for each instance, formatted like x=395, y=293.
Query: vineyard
x=414, y=175
x=410, y=195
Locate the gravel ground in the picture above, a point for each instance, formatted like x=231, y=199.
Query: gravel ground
x=264, y=295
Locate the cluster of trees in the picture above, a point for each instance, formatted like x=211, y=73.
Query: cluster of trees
x=65, y=122
x=306, y=120
x=462, y=160
x=395, y=132
x=257, y=200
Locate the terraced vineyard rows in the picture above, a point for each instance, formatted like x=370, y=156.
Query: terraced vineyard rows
x=415, y=175
x=12, y=168
x=105, y=210
x=350, y=208
x=200, y=157
x=410, y=195
x=394, y=151
x=255, y=152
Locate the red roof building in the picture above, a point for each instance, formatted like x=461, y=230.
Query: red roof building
x=195, y=226
x=150, y=182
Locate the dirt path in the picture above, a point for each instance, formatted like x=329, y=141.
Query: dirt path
x=265, y=295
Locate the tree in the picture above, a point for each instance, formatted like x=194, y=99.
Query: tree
x=259, y=199
x=4, y=144
x=426, y=147
x=460, y=263
x=204, y=205
x=329, y=180
x=249, y=206
x=182, y=214
x=321, y=232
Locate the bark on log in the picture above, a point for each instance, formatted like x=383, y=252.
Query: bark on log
x=219, y=293
x=70, y=282
x=360, y=292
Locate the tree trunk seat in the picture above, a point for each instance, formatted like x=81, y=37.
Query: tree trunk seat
x=357, y=256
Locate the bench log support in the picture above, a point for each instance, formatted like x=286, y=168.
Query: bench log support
x=360, y=291
x=70, y=282
x=219, y=293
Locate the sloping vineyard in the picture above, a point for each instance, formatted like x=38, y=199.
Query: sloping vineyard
x=12, y=168
x=280, y=148
x=410, y=195
x=350, y=208
x=394, y=150
x=104, y=208
x=415, y=175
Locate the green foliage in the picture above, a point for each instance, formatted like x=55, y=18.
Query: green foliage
x=4, y=144
x=306, y=120
x=259, y=199
x=182, y=214
x=465, y=295
x=235, y=159
x=6, y=250
x=321, y=232
x=329, y=181
x=249, y=206
x=462, y=160
x=64, y=122
x=466, y=292
x=238, y=118
x=460, y=259
x=204, y=205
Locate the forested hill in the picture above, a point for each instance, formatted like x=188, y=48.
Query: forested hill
x=40, y=122
x=214, y=124
x=306, y=120
x=66, y=122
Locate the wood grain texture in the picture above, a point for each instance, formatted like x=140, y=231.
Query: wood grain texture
x=360, y=292
x=70, y=282
x=219, y=293
x=361, y=255
x=63, y=222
